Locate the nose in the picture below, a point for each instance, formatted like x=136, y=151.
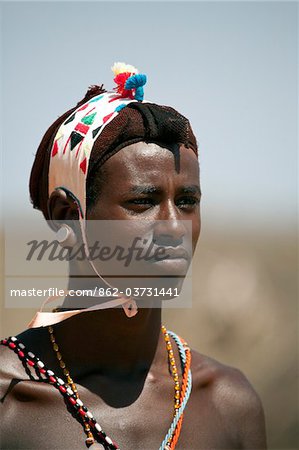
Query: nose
x=169, y=229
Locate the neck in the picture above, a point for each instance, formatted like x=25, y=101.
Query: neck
x=110, y=343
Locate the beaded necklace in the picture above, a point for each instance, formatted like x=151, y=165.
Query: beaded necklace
x=69, y=390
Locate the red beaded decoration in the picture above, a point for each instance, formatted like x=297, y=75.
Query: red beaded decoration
x=69, y=390
x=48, y=375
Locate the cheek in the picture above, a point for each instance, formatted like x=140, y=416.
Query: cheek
x=104, y=209
x=196, y=225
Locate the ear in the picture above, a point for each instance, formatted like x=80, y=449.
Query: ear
x=61, y=207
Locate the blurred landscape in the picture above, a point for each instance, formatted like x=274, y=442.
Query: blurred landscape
x=244, y=314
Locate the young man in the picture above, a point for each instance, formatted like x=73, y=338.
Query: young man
x=115, y=373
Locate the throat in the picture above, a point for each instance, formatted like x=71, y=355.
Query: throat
x=110, y=344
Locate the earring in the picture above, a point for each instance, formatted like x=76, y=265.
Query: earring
x=66, y=236
x=130, y=308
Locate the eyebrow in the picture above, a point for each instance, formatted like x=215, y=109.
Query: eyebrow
x=150, y=189
x=192, y=189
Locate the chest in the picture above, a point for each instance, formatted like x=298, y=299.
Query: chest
x=36, y=416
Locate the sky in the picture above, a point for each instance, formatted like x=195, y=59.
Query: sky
x=230, y=67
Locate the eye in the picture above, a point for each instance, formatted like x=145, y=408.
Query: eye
x=188, y=202
x=141, y=203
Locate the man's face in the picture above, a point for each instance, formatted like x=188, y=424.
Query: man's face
x=144, y=188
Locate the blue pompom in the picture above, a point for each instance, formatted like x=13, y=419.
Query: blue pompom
x=136, y=82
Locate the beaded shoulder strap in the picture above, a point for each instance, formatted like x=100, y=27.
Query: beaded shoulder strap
x=82, y=412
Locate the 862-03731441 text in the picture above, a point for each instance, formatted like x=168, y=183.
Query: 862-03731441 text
x=97, y=292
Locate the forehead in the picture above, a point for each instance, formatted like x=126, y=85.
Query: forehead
x=141, y=161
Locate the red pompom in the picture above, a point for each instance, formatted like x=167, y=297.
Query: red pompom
x=120, y=80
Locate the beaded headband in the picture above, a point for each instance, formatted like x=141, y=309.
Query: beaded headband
x=75, y=138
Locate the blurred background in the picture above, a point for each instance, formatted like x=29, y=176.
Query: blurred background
x=231, y=68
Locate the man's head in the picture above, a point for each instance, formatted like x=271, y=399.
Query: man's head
x=141, y=164
x=137, y=122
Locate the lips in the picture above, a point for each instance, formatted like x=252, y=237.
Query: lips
x=176, y=253
x=169, y=253
x=174, y=261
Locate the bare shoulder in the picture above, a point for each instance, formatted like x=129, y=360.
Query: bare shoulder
x=229, y=384
x=11, y=368
x=233, y=396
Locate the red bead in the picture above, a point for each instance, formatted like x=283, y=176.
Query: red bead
x=31, y=363
x=21, y=354
x=4, y=341
x=42, y=370
x=72, y=400
x=12, y=345
x=52, y=379
x=82, y=412
x=62, y=389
